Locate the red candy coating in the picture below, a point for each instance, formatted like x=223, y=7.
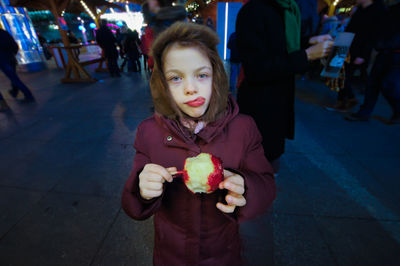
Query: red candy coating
x=200, y=184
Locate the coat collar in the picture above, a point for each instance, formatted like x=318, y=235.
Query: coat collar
x=208, y=133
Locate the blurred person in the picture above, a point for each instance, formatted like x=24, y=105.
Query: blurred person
x=144, y=47
x=148, y=35
x=120, y=36
x=268, y=39
x=309, y=20
x=385, y=73
x=365, y=24
x=160, y=14
x=131, y=48
x=8, y=64
x=210, y=23
x=106, y=40
x=44, y=44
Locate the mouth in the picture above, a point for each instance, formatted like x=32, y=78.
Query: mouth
x=199, y=101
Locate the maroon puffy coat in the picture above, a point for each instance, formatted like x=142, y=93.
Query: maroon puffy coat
x=189, y=229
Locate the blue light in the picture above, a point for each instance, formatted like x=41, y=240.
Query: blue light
x=92, y=25
x=120, y=24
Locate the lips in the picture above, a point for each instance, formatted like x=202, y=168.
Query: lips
x=199, y=101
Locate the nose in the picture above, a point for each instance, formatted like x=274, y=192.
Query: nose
x=190, y=87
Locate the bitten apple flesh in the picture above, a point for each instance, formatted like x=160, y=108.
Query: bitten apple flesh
x=203, y=173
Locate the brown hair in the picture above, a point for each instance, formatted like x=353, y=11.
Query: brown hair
x=188, y=35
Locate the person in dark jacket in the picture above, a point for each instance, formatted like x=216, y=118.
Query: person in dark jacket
x=365, y=23
x=268, y=39
x=8, y=63
x=194, y=114
x=106, y=40
x=385, y=73
x=131, y=47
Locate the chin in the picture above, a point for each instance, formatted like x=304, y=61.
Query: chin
x=195, y=114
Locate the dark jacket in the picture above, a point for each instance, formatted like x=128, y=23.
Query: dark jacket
x=8, y=47
x=106, y=40
x=267, y=91
x=235, y=58
x=189, y=229
x=389, y=36
x=131, y=45
x=366, y=23
x=388, y=45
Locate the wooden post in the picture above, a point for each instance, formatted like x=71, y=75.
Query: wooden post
x=98, y=15
x=332, y=8
x=73, y=65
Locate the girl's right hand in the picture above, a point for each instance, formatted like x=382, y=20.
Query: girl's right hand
x=152, y=178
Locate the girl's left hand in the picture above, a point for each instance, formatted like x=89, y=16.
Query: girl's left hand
x=234, y=183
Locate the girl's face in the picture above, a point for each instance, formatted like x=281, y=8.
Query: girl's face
x=188, y=72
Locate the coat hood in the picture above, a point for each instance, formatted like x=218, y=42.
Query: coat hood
x=208, y=133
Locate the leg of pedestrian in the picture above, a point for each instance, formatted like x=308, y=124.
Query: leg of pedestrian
x=10, y=72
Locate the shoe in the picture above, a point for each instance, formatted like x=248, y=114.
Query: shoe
x=13, y=93
x=340, y=106
x=356, y=117
x=28, y=100
x=4, y=106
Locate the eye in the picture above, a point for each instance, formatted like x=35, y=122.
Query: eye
x=174, y=79
x=203, y=76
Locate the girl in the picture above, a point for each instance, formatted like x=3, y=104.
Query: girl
x=194, y=114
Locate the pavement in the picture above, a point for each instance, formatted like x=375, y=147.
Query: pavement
x=65, y=159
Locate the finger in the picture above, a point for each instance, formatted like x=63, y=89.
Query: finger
x=232, y=181
x=150, y=193
x=172, y=170
x=235, y=179
x=235, y=201
x=153, y=186
x=154, y=177
x=238, y=189
x=225, y=208
x=162, y=172
x=228, y=173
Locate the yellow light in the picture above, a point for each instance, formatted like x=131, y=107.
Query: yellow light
x=88, y=10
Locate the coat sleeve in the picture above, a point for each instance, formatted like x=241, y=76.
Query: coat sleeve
x=256, y=41
x=260, y=188
x=133, y=204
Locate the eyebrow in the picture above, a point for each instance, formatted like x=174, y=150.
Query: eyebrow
x=196, y=70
